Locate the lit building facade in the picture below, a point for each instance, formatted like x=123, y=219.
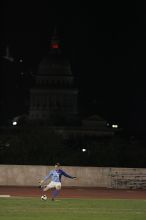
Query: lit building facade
x=54, y=98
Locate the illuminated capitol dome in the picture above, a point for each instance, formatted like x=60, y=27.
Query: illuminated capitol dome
x=53, y=99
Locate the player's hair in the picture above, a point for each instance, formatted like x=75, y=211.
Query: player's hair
x=57, y=164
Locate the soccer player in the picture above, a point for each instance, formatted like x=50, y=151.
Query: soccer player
x=55, y=176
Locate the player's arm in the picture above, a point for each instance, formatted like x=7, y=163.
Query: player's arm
x=46, y=178
x=67, y=175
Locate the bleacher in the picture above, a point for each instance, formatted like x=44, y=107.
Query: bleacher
x=127, y=180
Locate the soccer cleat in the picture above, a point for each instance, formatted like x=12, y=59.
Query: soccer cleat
x=42, y=187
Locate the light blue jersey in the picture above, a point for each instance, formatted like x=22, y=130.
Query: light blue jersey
x=55, y=175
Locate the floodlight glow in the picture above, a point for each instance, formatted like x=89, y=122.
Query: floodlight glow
x=114, y=126
x=83, y=150
x=14, y=123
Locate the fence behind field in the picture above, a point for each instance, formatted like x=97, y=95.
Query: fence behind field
x=107, y=177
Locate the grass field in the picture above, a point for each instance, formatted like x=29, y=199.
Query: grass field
x=71, y=209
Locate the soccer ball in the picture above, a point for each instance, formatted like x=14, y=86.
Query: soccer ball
x=44, y=197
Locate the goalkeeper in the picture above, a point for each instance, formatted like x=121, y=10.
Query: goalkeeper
x=55, y=176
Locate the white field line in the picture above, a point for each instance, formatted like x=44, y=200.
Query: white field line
x=5, y=196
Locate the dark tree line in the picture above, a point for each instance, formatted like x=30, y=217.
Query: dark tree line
x=41, y=146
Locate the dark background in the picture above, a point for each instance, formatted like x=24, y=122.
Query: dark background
x=106, y=46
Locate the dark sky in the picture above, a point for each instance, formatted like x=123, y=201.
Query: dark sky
x=106, y=45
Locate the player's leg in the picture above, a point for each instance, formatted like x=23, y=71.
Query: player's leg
x=46, y=187
x=49, y=186
x=56, y=191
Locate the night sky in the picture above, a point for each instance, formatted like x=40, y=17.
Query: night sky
x=106, y=45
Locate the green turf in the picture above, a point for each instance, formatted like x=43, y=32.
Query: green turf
x=71, y=209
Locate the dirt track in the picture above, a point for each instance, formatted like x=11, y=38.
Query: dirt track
x=76, y=192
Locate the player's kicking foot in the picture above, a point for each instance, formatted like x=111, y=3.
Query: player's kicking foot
x=42, y=187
